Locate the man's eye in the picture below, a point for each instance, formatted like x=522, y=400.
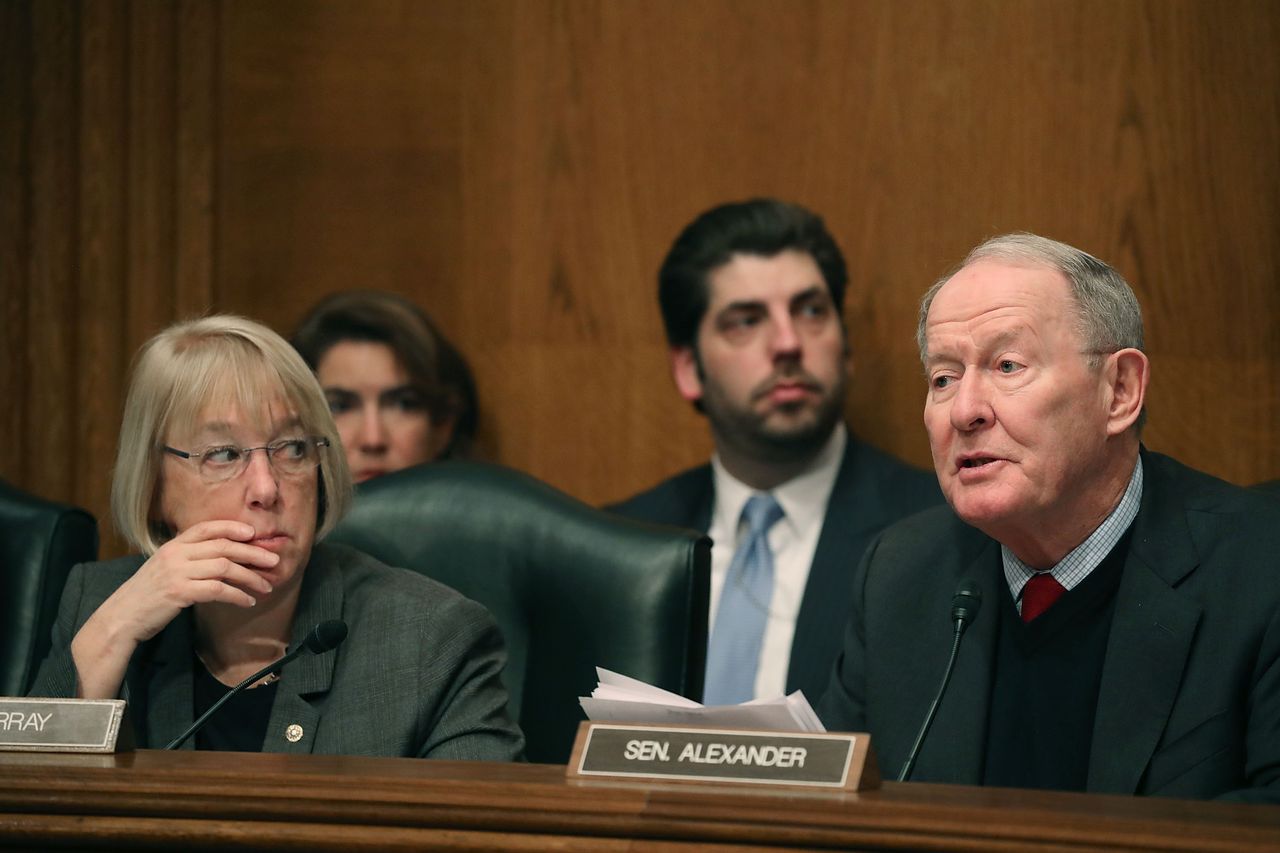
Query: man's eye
x=221, y=455
x=940, y=382
x=741, y=321
x=1008, y=366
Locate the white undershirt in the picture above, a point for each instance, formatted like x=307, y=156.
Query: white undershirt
x=793, y=540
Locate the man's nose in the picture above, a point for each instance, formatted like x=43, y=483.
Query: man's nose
x=784, y=341
x=971, y=405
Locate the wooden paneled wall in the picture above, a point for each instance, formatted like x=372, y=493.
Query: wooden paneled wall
x=520, y=166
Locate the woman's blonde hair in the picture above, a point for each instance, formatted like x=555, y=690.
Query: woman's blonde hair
x=218, y=361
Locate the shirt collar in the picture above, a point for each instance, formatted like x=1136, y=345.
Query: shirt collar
x=1089, y=554
x=803, y=498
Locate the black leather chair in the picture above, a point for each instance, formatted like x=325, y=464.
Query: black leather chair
x=39, y=543
x=571, y=586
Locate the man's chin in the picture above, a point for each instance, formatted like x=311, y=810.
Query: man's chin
x=805, y=435
x=987, y=512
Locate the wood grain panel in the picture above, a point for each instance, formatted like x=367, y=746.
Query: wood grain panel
x=50, y=356
x=102, y=291
x=196, y=35
x=15, y=172
x=219, y=801
x=519, y=167
x=151, y=205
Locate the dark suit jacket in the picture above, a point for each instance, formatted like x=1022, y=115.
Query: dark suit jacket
x=1189, y=704
x=871, y=491
x=418, y=674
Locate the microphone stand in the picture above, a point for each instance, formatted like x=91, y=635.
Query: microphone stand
x=964, y=608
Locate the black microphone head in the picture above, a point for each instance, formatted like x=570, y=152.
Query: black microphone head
x=967, y=602
x=325, y=636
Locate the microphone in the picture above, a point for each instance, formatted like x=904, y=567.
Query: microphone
x=964, y=608
x=322, y=638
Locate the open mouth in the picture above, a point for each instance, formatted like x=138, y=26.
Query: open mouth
x=977, y=461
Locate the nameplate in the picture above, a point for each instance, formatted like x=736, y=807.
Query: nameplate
x=64, y=725
x=628, y=751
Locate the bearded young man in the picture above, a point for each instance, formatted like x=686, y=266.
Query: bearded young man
x=751, y=296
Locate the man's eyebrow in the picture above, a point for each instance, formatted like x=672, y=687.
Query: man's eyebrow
x=998, y=341
x=811, y=292
x=741, y=305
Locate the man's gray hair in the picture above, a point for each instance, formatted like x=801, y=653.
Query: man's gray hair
x=1108, y=312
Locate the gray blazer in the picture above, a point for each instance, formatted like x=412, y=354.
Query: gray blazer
x=418, y=674
x=1189, y=704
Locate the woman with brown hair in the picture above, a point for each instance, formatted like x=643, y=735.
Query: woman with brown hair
x=399, y=391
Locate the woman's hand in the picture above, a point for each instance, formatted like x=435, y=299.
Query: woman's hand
x=209, y=561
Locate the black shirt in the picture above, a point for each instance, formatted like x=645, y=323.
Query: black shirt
x=241, y=724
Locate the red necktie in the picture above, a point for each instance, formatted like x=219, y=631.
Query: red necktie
x=1039, y=595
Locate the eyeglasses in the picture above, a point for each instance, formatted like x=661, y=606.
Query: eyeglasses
x=288, y=457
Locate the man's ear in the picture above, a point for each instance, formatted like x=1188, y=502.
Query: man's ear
x=685, y=372
x=1127, y=373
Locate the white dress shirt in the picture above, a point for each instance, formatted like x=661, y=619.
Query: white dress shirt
x=793, y=540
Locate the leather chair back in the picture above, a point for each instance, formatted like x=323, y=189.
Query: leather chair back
x=571, y=586
x=39, y=543
x=1270, y=487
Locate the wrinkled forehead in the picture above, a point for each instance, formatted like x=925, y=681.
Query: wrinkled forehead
x=990, y=288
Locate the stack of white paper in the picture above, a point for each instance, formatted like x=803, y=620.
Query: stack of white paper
x=619, y=699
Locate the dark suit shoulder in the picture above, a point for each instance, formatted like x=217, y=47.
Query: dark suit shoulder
x=1231, y=529
x=904, y=488
x=1203, y=492
x=678, y=500
x=927, y=536
x=102, y=577
x=367, y=581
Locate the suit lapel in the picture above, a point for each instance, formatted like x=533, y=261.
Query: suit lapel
x=169, y=700
x=955, y=749
x=701, y=499
x=858, y=506
x=1149, y=642
x=295, y=714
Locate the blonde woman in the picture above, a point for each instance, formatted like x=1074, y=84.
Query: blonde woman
x=228, y=472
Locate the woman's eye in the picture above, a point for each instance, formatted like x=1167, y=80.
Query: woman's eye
x=222, y=455
x=338, y=405
x=408, y=401
x=294, y=448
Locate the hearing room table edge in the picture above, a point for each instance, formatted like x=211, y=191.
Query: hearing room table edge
x=195, y=800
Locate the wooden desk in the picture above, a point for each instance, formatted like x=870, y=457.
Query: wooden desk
x=198, y=801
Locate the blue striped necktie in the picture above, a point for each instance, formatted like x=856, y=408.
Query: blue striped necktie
x=733, y=653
